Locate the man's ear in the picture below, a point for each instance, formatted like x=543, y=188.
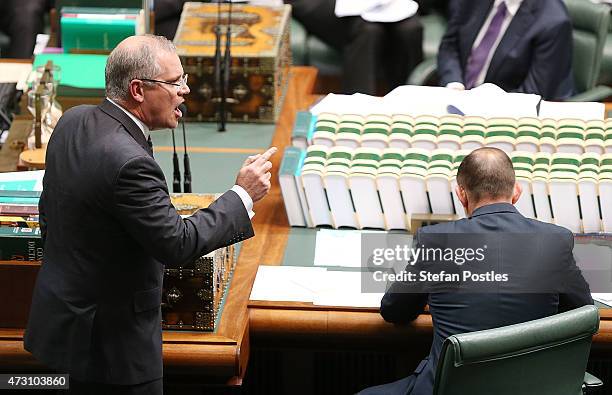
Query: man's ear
x=462, y=195
x=136, y=90
x=518, y=190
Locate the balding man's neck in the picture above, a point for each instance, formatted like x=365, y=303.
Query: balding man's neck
x=485, y=202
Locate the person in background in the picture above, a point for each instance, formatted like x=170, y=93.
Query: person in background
x=487, y=190
x=519, y=45
x=369, y=49
x=21, y=21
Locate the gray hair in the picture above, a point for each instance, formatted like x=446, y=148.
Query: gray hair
x=127, y=62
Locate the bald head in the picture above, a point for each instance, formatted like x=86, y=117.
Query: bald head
x=487, y=175
x=134, y=58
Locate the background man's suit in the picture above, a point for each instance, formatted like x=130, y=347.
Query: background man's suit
x=109, y=228
x=534, y=55
x=369, y=49
x=456, y=312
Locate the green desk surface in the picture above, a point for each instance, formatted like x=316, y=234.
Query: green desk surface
x=211, y=172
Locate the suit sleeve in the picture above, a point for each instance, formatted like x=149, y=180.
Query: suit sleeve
x=550, y=74
x=143, y=207
x=402, y=303
x=449, y=58
x=42, y=217
x=575, y=292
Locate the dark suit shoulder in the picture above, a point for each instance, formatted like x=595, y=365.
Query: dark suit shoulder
x=554, y=13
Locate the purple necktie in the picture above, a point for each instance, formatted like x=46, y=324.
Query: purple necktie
x=480, y=54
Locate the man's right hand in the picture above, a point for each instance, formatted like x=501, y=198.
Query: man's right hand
x=254, y=176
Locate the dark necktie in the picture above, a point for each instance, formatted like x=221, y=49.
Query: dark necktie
x=150, y=145
x=479, y=55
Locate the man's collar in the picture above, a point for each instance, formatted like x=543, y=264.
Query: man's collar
x=495, y=208
x=138, y=122
x=511, y=5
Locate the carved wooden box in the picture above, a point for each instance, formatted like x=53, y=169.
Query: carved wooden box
x=261, y=57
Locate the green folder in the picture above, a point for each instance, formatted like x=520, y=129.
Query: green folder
x=82, y=75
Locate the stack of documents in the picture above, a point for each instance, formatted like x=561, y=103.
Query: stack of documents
x=369, y=188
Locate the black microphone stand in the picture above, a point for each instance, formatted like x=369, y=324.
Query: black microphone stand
x=176, y=183
x=186, y=166
x=225, y=76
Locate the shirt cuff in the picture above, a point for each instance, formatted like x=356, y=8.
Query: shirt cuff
x=456, y=85
x=246, y=199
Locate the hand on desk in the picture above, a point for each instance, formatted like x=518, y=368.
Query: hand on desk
x=254, y=176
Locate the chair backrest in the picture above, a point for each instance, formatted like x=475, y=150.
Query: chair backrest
x=590, y=27
x=547, y=356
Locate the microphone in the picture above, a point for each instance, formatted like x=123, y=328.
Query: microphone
x=217, y=59
x=176, y=183
x=227, y=62
x=187, y=167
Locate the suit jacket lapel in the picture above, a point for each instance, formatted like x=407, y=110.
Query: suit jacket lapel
x=472, y=28
x=133, y=129
x=524, y=18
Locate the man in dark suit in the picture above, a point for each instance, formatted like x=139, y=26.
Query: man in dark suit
x=22, y=21
x=519, y=45
x=487, y=190
x=109, y=227
x=369, y=49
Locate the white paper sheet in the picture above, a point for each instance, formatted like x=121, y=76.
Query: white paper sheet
x=338, y=248
x=312, y=284
x=356, y=7
x=487, y=100
x=341, y=288
x=393, y=11
x=563, y=110
x=357, y=103
x=603, y=298
x=15, y=73
x=286, y=283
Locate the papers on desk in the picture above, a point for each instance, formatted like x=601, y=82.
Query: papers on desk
x=312, y=284
x=486, y=101
x=15, y=73
x=338, y=248
x=580, y=110
x=603, y=298
x=386, y=11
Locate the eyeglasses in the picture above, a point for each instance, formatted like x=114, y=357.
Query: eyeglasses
x=180, y=84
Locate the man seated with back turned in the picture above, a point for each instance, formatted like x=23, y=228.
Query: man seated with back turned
x=487, y=190
x=109, y=227
x=519, y=45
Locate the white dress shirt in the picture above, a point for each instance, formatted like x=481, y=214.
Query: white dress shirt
x=512, y=6
x=244, y=195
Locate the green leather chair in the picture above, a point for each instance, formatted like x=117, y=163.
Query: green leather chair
x=591, y=22
x=308, y=50
x=605, y=75
x=547, y=356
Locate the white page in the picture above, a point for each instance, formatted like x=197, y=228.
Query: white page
x=603, y=298
x=562, y=110
x=341, y=288
x=357, y=103
x=356, y=7
x=489, y=100
x=15, y=73
x=393, y=11
x=286, y=283
x=421, y=100
x=338, y=248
